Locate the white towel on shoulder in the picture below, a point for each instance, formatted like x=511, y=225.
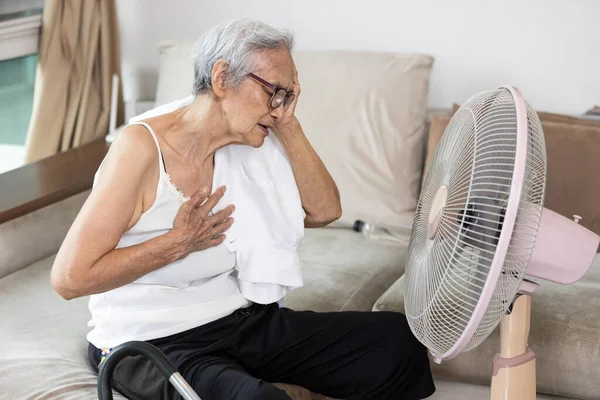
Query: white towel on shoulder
x=268, y=223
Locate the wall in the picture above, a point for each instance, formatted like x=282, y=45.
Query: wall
x=550, y=49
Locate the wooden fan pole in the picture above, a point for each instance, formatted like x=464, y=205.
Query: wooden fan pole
x=513, y=376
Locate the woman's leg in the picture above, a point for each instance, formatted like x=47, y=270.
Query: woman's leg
x=212, y=377
x=346, y=355
x=222, y=378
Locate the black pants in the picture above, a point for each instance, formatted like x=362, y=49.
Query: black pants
x=344, y=355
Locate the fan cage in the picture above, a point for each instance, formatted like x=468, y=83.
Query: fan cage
x=475, y=160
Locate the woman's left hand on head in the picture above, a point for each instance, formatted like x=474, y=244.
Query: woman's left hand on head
x=289, y=118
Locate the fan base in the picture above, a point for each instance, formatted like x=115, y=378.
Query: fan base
x=515, y=383
x=513, y=377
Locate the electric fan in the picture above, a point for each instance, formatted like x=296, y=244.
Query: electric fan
x=479, y=229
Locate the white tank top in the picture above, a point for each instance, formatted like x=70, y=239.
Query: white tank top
x=187, y=293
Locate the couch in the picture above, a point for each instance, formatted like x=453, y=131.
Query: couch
x=373, y=137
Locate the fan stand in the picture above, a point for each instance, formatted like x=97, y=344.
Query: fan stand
x=513, y=376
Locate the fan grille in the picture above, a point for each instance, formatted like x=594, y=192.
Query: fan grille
x=445, y=275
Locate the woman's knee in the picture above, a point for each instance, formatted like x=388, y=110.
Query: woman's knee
x=394, y=325
x=399, y=341
x=267, y=391
x=403, y=365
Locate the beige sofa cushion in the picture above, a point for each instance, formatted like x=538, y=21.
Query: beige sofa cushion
x=344, y=271
x=175, y=71
x=44, y=351
x=363, y=112
x=565, y=335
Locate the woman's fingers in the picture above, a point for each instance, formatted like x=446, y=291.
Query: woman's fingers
x=217, y=240
x=222, y=215
x=205, y=230
x=196, y=200
x=201, y=212
x=186, y=210
x=221, y=227
x=213, y=199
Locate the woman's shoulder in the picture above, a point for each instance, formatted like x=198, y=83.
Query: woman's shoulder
x=137, y=141
x=134, y=151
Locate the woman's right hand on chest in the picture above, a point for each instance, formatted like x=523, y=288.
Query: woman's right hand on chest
x=89, y=260
x=195, y=228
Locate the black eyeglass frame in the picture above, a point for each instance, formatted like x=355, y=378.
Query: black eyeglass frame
x=280, y=95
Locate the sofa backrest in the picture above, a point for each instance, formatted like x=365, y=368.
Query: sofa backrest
x=363, y=112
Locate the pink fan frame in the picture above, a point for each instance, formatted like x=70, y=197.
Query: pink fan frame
x=507, y=229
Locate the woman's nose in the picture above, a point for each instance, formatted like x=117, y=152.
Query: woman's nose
x=277, y=113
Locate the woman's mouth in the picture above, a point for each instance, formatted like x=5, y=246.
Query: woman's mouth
x=264, y=128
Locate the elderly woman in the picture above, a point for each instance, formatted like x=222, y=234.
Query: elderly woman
x=149, y=250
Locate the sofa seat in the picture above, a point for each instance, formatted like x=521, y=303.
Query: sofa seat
x=564, y=334
x=344, y=271
x=44, y=351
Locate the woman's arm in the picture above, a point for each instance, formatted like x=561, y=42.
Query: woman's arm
x=88, y=262
x=318, y=192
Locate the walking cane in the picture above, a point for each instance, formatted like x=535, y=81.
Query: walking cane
x=158, y=359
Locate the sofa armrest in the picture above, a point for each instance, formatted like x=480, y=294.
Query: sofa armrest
x=37, y=235
x=40, y=201
x=50, y=180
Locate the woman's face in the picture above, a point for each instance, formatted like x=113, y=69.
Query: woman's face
x=247, y=107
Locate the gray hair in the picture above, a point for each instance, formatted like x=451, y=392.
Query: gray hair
x=236, y=42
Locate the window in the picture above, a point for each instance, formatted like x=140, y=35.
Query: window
x=19, y=37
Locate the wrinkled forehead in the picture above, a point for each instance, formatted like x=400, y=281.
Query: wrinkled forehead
x=275, y=66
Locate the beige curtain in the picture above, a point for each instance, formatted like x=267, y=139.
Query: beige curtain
x=79, y=52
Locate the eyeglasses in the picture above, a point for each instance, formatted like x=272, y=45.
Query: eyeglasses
x=280, y=95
